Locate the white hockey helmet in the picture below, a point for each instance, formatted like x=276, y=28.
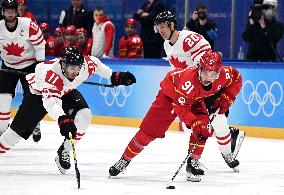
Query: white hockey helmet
x=271, y=2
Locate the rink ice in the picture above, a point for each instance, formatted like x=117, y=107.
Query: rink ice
x=29, y=168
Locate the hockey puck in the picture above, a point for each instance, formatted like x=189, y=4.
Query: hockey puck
x=171, y=187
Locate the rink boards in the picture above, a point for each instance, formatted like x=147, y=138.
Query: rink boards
x=258, y=109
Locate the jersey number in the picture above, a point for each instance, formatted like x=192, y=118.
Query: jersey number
x=187, y=86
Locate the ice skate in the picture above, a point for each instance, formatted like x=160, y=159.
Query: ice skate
x=237, y=140
x=194, y=171
x=63, y=159
x=231, y=162
x=37, y=133
x=118, y=167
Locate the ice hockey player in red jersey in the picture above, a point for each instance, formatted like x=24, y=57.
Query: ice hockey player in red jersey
x=69, y=35
x=53, y=92
x=22, y=48
x=83, y=43
x=50, y=42
x=23, y=10
x=182, y=94
x=184, y=49
x=130, y=45
x=58, y=36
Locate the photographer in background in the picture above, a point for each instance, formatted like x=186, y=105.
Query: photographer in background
x=202, y=25
x=263, y=31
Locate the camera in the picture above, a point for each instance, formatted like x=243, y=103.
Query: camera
x=202, y=15
x=257, y=10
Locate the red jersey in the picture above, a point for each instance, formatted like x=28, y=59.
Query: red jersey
x=50, y=46
x=86, y=50
x=184, y=87
x=130, y=47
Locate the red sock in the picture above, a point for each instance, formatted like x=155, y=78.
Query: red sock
x=197, y=152
x=137, y=144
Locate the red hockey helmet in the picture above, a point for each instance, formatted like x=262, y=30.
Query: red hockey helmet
x=44, y=27
x=22, y=1
x=131, y=22
x=70, y=30
x=57, y=31
x=81, y=31
x=211, y=61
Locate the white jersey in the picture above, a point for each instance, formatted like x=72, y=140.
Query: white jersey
x=49, y=81
x=24, y=46
x=99, y=40
x=187, y=50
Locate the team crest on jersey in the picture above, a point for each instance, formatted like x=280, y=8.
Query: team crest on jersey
x=14, y=49
x=51, y=44
x=177, y=64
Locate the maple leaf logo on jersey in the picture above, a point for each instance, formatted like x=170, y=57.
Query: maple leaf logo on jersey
x=14, y=49
x=177, y=64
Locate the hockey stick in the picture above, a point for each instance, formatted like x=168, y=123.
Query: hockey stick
x=169, y=185
x=26, y=73
x=75, y=161
x=61, y=18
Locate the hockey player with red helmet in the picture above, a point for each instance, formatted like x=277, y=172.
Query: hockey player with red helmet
x=23, y=10
x=58, y=36
x=53, y=91
x=130, y=45
x=83, y=43
x=50, y=42
x=69, y=35
x=182, y=94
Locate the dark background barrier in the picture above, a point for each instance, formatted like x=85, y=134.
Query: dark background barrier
x=118, y=10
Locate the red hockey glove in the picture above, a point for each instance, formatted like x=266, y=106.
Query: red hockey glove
x=122, y=78
x=66, y=125
x=199, y=128
x=223, y=102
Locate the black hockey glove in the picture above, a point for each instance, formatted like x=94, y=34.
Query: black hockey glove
x=66, y=125
x=122, y=78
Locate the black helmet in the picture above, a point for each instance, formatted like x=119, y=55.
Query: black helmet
x=9, y=4
x=71, y=56
x=165, y=17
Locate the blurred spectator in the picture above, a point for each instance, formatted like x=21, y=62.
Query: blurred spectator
x=83, y=43
x=103, y=35
x=23, y=10
x=263, y=32
x=130, y=45
x=58, y=36
x=152, y=42
x=50, y=42
x=69, y=35
x=200, y=24
x=78, y=16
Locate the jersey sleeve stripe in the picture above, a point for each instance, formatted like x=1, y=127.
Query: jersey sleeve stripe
x=199, y=52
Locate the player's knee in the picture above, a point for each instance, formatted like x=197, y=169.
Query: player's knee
x=83, y=119
x=143, y=138
x=220, y=124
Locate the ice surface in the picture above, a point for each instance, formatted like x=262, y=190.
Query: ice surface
x=29, y=168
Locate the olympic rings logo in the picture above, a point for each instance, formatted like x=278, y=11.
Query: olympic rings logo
x=262, y=100
x=117, y=95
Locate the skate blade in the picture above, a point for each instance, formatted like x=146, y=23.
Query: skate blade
x=240, y=140
x=236, y=169
x=62, y=170
x=193, y=178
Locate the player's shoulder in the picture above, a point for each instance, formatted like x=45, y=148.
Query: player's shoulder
x=24, y=21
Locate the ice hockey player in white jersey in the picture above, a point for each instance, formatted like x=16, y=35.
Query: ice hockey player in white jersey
x=22, y=47
x=53, y=92
x=184, y=49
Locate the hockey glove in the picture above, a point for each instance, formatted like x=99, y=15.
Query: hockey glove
x=199, y=128
x=66, y=125
x=122, y=78
x=223, y=102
